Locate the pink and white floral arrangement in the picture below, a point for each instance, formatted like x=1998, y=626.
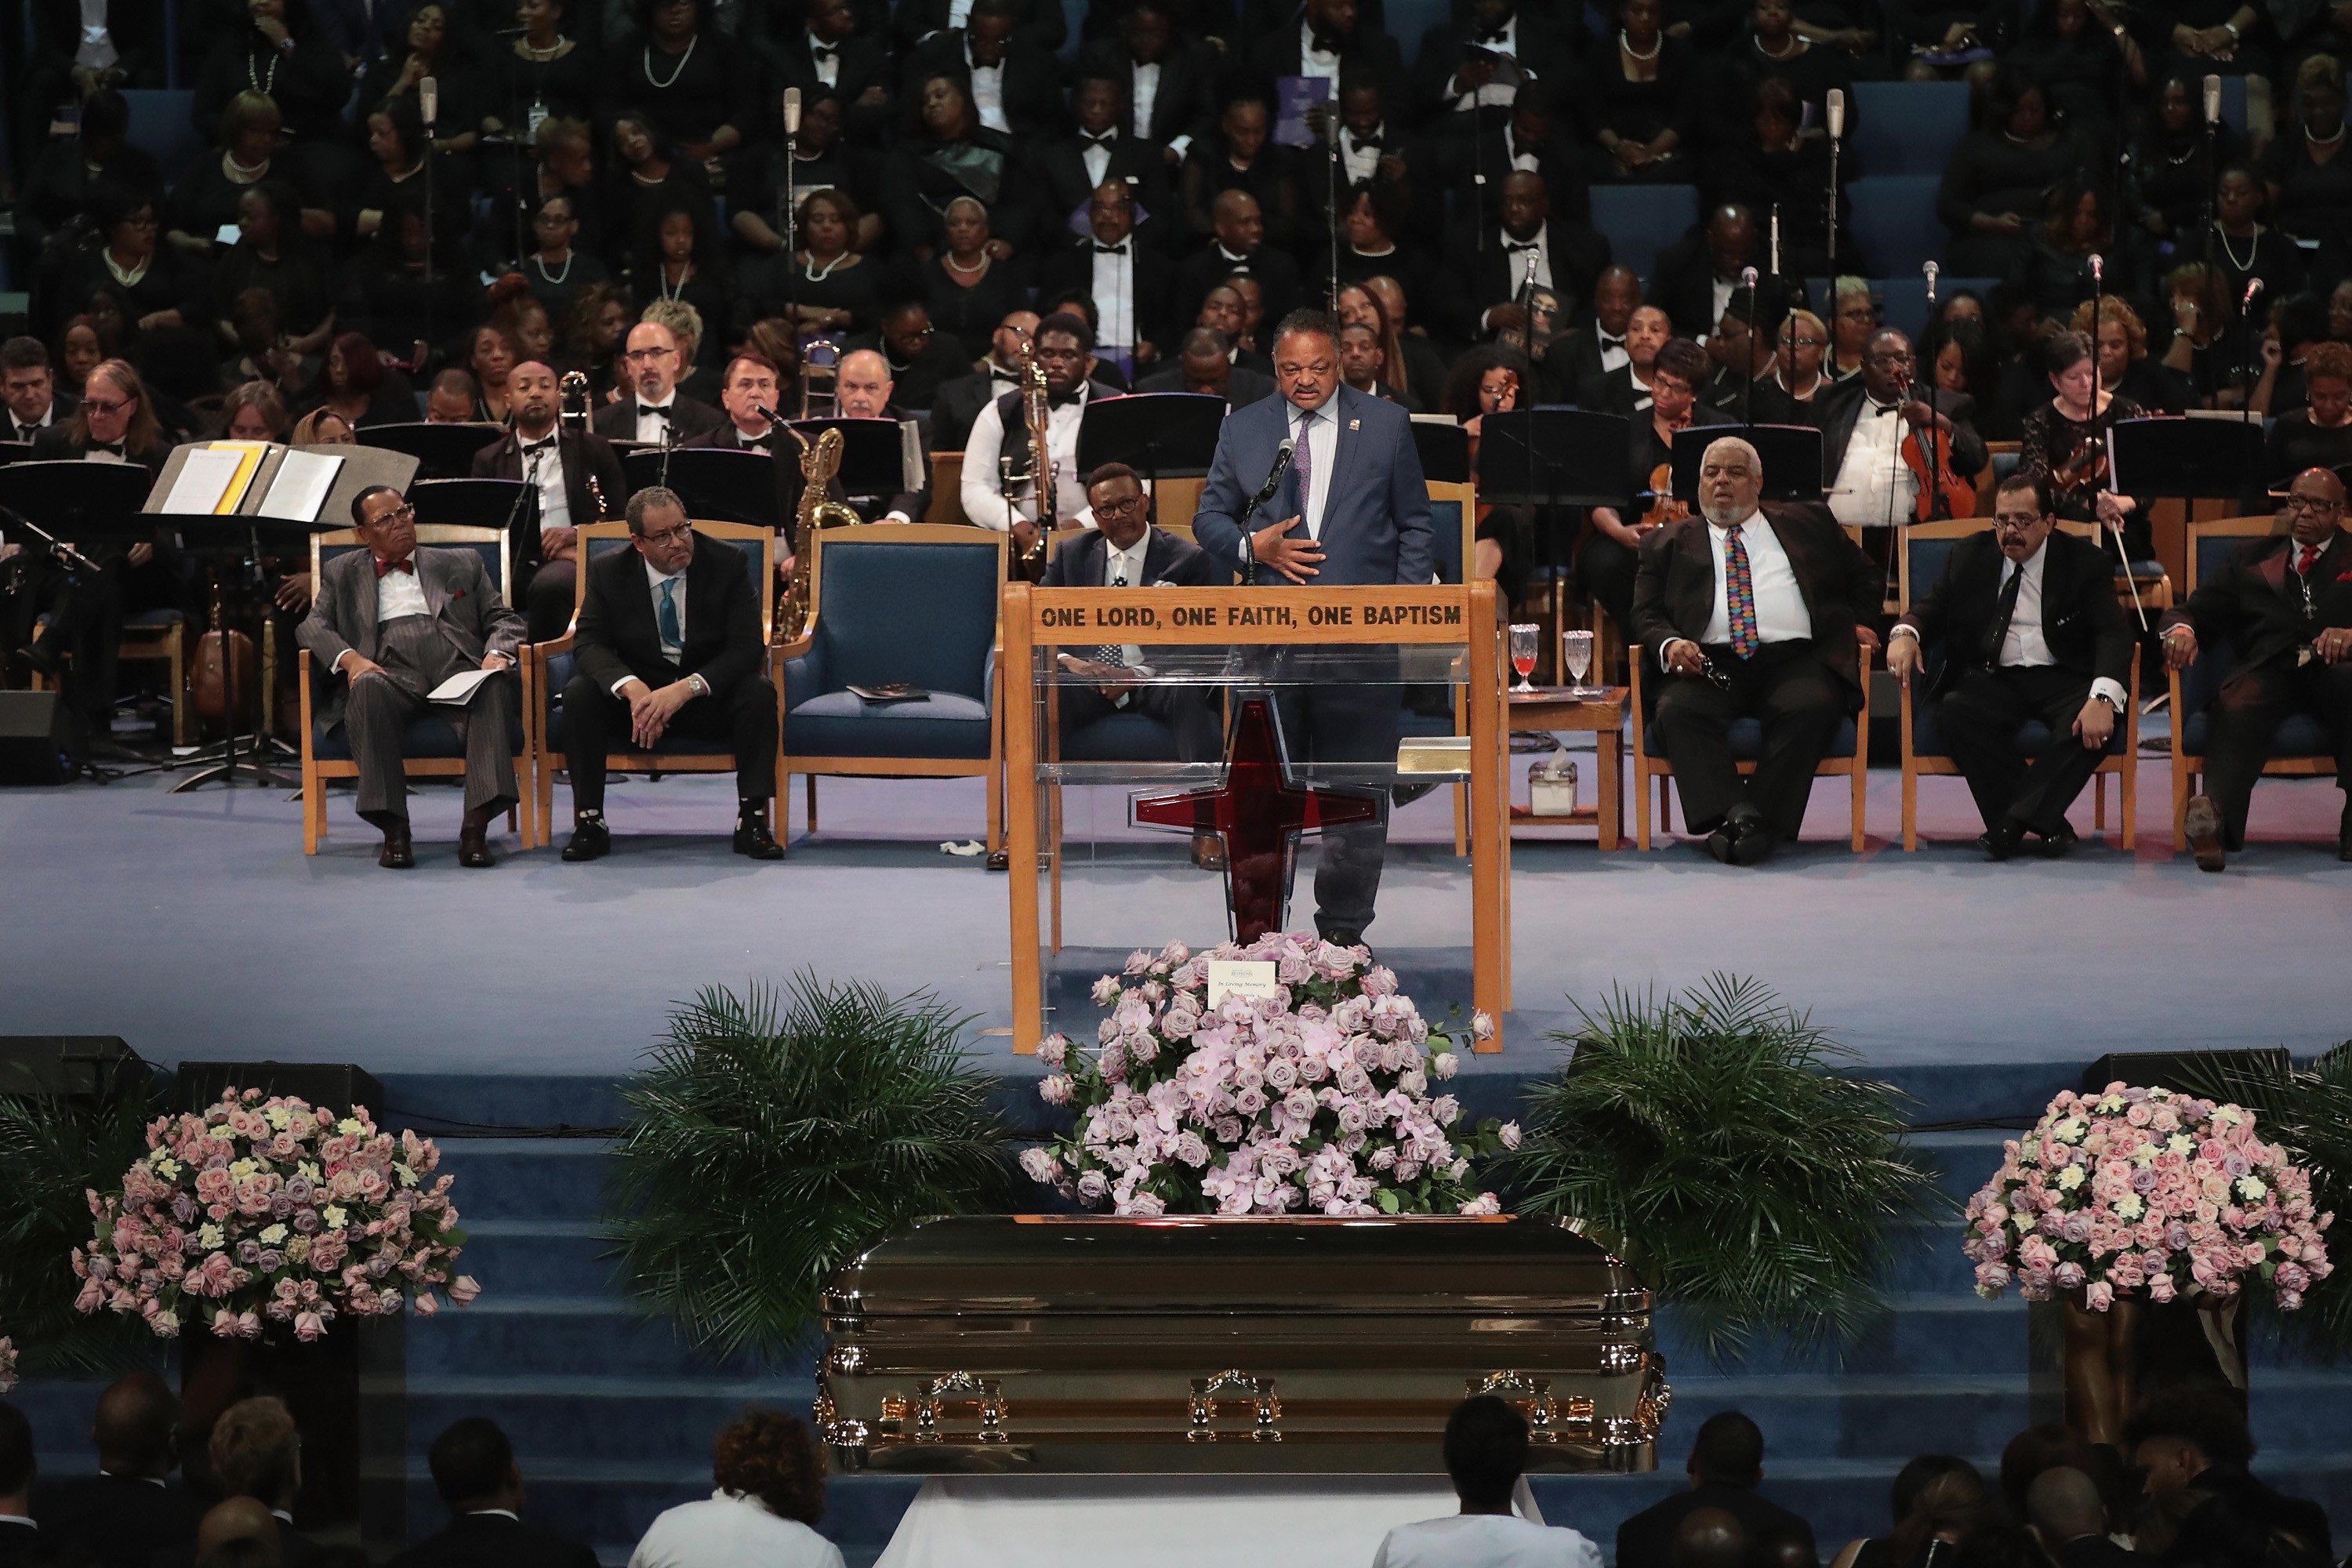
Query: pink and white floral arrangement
x=2137, y=1191
x=7, y=1363
x=262, y=1214
x=1316, y=1098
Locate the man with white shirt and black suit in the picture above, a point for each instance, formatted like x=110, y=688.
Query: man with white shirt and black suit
x=1450, y=82
x=29, y=388
x=959, y=401
x=653, y=410
x=474, y=1473
x=993, y=500
x=1325, y=38
x=576, y=475
x=1238, y=246
x=917, y=22
x=1750, y=613
x=669, y=643
x=396, y=620
x=1578, y=360
x=1379, y=155
x=1205, y=364
x=2028, y=625
x=1569, y=256
x=20, y=1538
x=1695, y=276
x=1074, y=167
x=1015, y=86
x=1485, y=1454
x=863, y=388
x=1127, y=282
x=827, y=52
x=1352, y=508
x=1625, y=390
x=131, y=1509
x=1169, y=78
x=1862, y=423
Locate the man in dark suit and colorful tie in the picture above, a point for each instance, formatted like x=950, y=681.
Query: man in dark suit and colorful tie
x=1351, y=508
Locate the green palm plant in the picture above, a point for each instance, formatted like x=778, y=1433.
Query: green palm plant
x=779, y=1135
x=1704, y=1137
x=53, y=1151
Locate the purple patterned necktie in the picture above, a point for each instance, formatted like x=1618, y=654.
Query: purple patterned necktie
x=1740, y=587
x=1302, y=465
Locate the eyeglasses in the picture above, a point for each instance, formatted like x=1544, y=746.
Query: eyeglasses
x=403, y=513
x=2313, y=504
x=96, y=407
x=1119, y=507
x=2013, y=522
x=666, y=535
x=645, y=356
x=1808, y=342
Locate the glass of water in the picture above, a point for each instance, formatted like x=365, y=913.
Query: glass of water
x=1576, y=657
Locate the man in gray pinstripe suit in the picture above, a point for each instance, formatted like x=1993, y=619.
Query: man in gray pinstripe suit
x=396, y=621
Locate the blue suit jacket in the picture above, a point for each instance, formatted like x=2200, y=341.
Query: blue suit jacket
x=1376, y=528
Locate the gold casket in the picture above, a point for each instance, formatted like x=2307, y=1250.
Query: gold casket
x=1065, y=1342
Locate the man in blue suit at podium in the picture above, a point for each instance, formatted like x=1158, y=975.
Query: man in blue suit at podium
x=1335, y=475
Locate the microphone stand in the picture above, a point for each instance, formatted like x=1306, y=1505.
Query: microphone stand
x=430, y=100
x=1936, y=509
x=1748, y=371
x=1283, y=456
x=1836, y=137
x=1331, y=137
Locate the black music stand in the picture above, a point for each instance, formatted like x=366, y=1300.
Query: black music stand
x=872, y=455
x=1161, y=435
x=717, y=483
x=469, y=503
x=1791, y=456
x=1548, y=458
x=15, y=452
x=2187, y=460
x=441, y=451
x=1443, y=448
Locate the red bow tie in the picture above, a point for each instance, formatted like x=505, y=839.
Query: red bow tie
x=404, y=564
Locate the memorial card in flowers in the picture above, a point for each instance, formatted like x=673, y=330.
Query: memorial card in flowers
x=1312, y=1097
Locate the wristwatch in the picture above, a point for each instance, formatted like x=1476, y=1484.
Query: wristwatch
x=2108, y=697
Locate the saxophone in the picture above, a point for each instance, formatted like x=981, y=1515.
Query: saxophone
x=1036, y=413
x=820, y=460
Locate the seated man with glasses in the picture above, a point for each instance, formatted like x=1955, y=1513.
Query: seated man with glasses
x=396, y=620
x=1125, y=549
x=2027, y=621
x=2284, y=605
x=651, y=409
x=668, y=643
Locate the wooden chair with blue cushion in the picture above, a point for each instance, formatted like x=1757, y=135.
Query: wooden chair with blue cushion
x=2302, y=750
x=1848, y=756
x=1925, y=546
x=912, y=603
x=432, y=748
x=547, y=667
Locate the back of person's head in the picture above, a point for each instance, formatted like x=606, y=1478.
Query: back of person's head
x=242, y=1551
x=2063, y=1504
x=1782, y=1547
x=2209, y=1418
x=1949, y=1500
x=770, y=1456
x=238, y=1520
x=1485, y=1452
x=1995, y=1542
x=256, y=1452
x=2045, y=1447
x=1710, y=1538
x=15, y=1452
x=1728, y=1451
x=137, y=1429
x=471, y=1462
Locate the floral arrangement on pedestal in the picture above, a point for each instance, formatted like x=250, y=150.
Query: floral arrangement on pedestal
x=1316, y=1097
x=2146, y=1190
x=270, y=1213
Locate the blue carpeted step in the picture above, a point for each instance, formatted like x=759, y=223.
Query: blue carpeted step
x=562, y=1337
x=1851, y=1416
x=528, y=1178
x=1923, y=1257
x=539, y=1256
x=1919, y=1333
x=600, y=1419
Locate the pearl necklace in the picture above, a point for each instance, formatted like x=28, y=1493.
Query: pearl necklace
x=1794, y=46
x=2253, y=245
x=1625, y=42
x=261, y=83
x=645, y=64
x=531, y=52
x=968, y=271
x=2310, y=140
x=808, y=266
x=243, y=174
x=555, y=280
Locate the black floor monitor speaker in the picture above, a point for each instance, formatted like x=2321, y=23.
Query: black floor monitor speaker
x=82, y=1068
x=32, y=738
x=337, y=1086
x=2186, y=1071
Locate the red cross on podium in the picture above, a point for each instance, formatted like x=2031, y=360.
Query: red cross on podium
x=1259, y=815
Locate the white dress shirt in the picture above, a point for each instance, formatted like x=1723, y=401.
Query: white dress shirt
x=399, y=593
x=987, y=91
x=1875, y=488
x=1095, y=154
x=96, y=47
x=1518, y=257
x=731, y=1530
x=1614, y=352
x=24, y=432
x=1359, y=161
x=1781, y=613
x=1314, y=62
x=542, y=465
x=826, y=59
x=1485, y=1541
x=1321, y=431
x=1114, y=296
x=1642, y=398
x=651, y=427
x=1723, y=287
x=983, y=484
x=1495, y=95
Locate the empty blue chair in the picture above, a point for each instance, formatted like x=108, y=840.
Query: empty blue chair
x=1642, y=220
x=1906, y=127
x=161, y=127
x=1895, y=223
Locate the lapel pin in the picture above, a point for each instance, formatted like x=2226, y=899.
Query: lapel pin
x=1355, y=424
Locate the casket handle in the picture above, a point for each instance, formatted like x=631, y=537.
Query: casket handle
x=1201, y=1410
x=1535, y=1400
x=986, y=1396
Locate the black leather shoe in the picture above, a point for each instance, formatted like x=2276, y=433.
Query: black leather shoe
x=2057, y=846
x=753, y=838
x=1755, y=844
x=1000, y=861
x=35, y=656
x=2004, y=839
x=474, y=848
x=1345, y=936
x=2202, y=822
x=399, y=852
x=1721, y=842
x=590, y=841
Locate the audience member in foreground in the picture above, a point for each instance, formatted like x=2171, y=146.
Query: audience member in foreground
x=474, y=1473
x=1485, y=1453
x=2210, y=1510
x=771, y=1493
x=1726, y=1462
x=130, y=1510
x=256, y=1458
x=20, y=1538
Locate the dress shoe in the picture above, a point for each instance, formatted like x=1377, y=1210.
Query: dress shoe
x=1345, y=936
x=1209, y=852
x=37, y=655
x=2202, y=822
x=474, y=848
x=1755, y=844
x=590, y=841
x=753, y=838
x=399, y=853
x=2002, y=840
x=2059, y=844
x=1000, y=861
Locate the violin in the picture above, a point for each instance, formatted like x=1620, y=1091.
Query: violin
x=1665, y=505
x=2085, y=470
x=1947, y=493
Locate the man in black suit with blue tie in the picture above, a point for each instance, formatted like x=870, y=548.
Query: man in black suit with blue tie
x=1352, y=509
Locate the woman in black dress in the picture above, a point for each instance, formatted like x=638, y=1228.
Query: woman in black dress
x=395, y=144
x=820, y=158
x=2242, y=250
x=1997, y=183
x=2082, y=57
x=2310, y=177
x=677, y=258
x=945, y=154
x=2172, y=178
x=2320, y=434
x=2078, y=226
x=271, y=255
x=65, y=176
x=1639, y=99
x=832, y=291
x=354, y=383
x=156, y=290
x=966, y=288
x=1773, y=164
x=2124, y=366
x=2063, y=442
x=207, y=198
x=275, y=53
x=384, y=291
x=1240, y=155
x=492, y=357
x=543, y=73
x=646, y=178
x=699, y=88
x=430, y=53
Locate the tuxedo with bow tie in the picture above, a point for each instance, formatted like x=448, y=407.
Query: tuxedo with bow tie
x=1492, y=274
x=1072, y=266
x=1141, y=165
x=1535, y=42
x=1276, y=275
x=1367, y=54
x=1033, y=81
x=1574, y=364
x=793, y=59
x=1039, y=22
x=1836, y=410
x=1182, y=104
x=1559, y=161
x=546, y=590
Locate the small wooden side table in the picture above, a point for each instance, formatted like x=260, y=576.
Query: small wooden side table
x=1548, y=708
